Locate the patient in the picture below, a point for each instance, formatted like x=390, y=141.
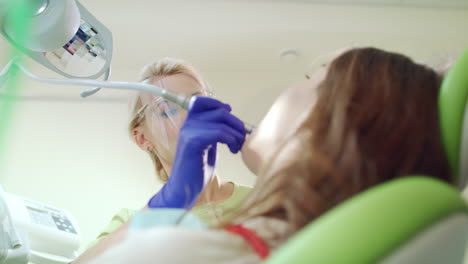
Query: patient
x=368, y=117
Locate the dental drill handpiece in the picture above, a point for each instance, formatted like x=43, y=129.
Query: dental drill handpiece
x=184, y=101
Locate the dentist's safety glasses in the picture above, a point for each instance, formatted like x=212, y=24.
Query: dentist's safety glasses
x=163, y=119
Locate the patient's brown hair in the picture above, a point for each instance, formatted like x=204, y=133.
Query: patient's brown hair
x=375, y=119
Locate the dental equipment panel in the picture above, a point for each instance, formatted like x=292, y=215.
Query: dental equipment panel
x=33, y=232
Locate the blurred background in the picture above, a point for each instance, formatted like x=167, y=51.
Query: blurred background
x=75, y=153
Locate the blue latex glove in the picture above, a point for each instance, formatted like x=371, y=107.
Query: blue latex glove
x=208, y=122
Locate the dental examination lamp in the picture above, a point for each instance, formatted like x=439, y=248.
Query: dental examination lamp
x=63, y=36
x=66, y=38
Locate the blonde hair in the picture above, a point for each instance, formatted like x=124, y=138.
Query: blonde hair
x=162, y=68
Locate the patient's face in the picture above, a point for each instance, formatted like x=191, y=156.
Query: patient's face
x=285, y=116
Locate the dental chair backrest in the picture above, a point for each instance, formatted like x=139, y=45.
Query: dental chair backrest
x=408, y=220
x=453, y=111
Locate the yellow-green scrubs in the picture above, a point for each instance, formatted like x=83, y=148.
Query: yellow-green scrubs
x=209, y=214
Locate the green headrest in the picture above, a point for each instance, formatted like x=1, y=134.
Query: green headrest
x=371, y=225
x=452, y=102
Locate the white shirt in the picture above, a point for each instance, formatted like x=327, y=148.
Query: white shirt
x=179, y=245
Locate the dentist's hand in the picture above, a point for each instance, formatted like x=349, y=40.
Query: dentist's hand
x=208, y=122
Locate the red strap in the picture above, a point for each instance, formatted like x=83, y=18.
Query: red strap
x=251, y=238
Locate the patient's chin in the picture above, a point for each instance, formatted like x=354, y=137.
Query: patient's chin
x=251, y=158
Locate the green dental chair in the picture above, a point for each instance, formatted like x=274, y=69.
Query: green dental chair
x=408, y=220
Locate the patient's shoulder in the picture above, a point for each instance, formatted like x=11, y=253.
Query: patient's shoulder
x=181, y=245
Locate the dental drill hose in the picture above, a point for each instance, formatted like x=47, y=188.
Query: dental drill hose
x=180, y=99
